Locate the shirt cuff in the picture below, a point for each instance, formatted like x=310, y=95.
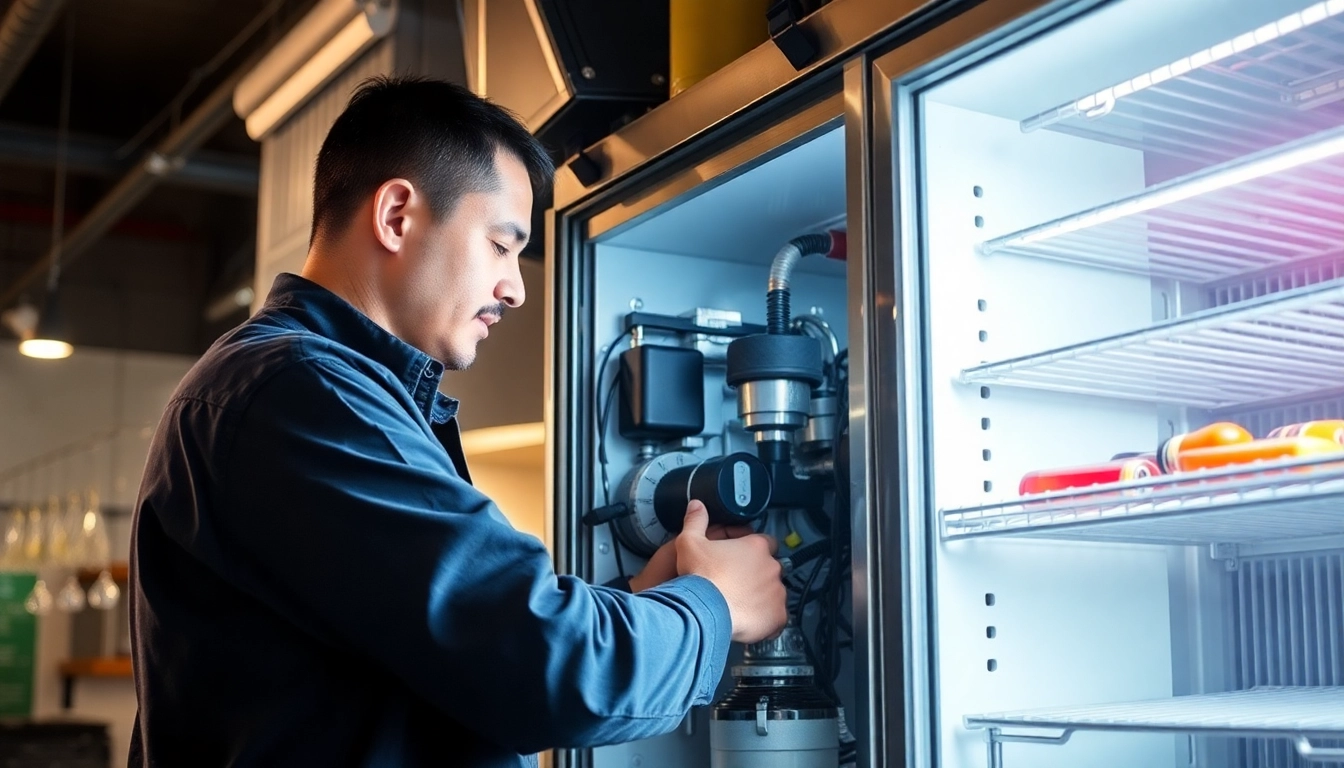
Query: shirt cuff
x=707, y=603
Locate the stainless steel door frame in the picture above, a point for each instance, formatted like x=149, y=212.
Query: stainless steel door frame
x=839, y=30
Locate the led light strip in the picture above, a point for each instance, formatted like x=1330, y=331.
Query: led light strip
x=1266, y=163
x=1102, y=102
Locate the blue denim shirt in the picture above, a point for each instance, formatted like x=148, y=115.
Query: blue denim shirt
x=316, y=582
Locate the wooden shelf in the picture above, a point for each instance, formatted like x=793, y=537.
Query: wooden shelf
x=111, y=666
x=121, y=573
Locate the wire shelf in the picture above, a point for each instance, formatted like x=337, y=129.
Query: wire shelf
x=1283, y=345
x=1272, y=501
x=1279, y=206
x=1280, y=82
x=1297, y=713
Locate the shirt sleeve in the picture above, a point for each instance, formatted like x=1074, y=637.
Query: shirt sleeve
x=342, y=511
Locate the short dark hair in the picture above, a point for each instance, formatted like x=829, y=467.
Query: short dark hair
x=438, y=135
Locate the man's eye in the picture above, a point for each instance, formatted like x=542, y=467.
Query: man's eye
x=501, y=250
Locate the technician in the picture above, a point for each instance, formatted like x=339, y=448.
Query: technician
x=315, y=581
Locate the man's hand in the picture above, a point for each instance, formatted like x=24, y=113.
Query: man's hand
x=744, y=570
x=663, y=565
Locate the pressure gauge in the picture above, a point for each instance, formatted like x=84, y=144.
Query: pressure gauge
x=735, y=489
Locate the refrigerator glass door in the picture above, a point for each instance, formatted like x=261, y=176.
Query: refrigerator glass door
x=1117, y=224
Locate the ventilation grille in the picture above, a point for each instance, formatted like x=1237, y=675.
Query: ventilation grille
x=1299, y=276
x=1260, y=422
x=1289, y=620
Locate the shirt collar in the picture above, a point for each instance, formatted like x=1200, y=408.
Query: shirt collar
x=326, y=314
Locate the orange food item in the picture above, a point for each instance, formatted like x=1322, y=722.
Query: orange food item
x=1328, y=429
x=1269, y=449
x=1046, y=480
x=1219, y=433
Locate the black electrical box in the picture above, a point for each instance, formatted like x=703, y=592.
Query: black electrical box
x=662, y=391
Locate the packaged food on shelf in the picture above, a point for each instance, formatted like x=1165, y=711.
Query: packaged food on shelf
x=1328, y=429
x=1268, y=449
x=1046, y=480
x=1217, y=434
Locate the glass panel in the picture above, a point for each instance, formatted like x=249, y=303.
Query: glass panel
x=1132, y=238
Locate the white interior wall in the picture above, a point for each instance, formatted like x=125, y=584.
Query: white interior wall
x=1074, y=623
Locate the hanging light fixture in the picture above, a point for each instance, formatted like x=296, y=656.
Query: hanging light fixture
x=49, y=340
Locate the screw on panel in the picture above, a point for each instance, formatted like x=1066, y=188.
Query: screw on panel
x=588, y=73
x=603, y=548
x=636, y=304
x=659, y=79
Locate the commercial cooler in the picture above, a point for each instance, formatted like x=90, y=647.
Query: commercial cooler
x=1018, y=239
x=1117, y=223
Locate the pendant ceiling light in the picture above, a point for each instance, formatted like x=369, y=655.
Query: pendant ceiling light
x=49, y=340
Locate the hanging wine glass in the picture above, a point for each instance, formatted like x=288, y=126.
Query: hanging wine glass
x=58, y=543
x=73, y=523
x=104, y=593
x=33, y=538
x=11, y=540
x=71, y=597
x=39, y=601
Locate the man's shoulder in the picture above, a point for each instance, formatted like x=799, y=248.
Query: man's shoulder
x=236, y=368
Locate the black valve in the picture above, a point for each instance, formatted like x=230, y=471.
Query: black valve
x=735, y=489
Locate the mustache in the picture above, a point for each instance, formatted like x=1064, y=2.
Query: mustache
x=497, y=310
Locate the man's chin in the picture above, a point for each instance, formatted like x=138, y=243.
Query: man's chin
x=459, y=360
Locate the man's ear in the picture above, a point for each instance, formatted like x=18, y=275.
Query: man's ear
x=390, y=207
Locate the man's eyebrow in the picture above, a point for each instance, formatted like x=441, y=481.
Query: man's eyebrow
x=513, y=229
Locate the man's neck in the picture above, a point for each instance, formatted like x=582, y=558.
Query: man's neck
x=332, y=272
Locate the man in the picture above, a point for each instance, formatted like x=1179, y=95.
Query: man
x=315, y=581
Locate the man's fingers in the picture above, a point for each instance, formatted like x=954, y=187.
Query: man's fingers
x=728, y=531
x=774, y=545
x=697, y=519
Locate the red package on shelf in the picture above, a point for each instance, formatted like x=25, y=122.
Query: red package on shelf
x=1047, y=480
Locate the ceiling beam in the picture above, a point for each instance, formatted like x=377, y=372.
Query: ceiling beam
x=167, y=158
x=210, y=171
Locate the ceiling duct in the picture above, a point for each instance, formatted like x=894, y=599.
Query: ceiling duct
x=21, y=32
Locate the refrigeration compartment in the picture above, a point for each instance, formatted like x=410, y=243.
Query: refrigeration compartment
x=709, y=250
x=1132, y=230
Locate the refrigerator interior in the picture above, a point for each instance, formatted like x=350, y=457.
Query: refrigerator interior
x=1131, y=229
x=712, y=249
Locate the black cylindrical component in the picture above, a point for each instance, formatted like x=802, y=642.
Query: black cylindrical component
x=769, y=356
x=773, y=451
x=735, y=490
x=777, y=311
